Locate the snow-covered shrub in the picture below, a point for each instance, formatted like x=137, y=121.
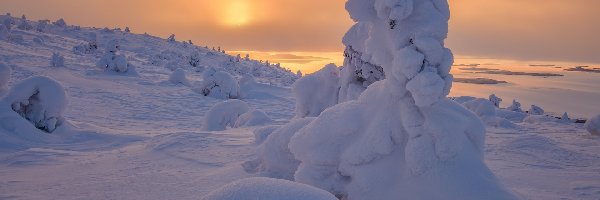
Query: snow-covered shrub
x=111, y=60
x=565, y=118
x=24, y=25
x=253, y=117
x=495, y=100
x=4, y=32
x=515, y=107
x=178, y=77
x=171, y=38
x=5, y=72
x=268, y=189
x=535, y=110
x=402, y=137
x=219, y=84
x=57, y=60
x=356, y=74
x=194, y=59
x=593, y=125
x=274, y=158
x=224, y=114
x=90, y=48
x=486, y=110
x=316, y=92
x=60, y=23
x=40, y=100
x=127, y=30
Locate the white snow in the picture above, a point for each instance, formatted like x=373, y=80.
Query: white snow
x=178, y=77
x=112, y=61
x=253, y=117
x=496, y=100
x=219, y=84
x=317, y=91
x=593, y=125
x=5, y=72
x=536, y=110
x=268, y=189
x=515, y=106
x=40, y=100
x=224, y=114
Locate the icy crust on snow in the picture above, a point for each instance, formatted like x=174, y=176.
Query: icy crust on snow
x=268, y=189
x=593, y=125
x=224, y=114
x=40, y=100
x=316, y=92
x=402, y=137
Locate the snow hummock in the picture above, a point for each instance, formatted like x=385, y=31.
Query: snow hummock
x=565, y=118
x=40, y=100
x=253, y=117
x=219, y=84
x=515, y=106
x=178, y=77
x=593, y=125
x=268, y=189
x=57, y=60
x=317, y=91
x=224, y=114
x=536, y=110
x=402, y=137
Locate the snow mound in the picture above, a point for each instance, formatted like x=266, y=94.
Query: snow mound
x=219, y=84
x=515, y=106
x=402, y=137
x=536, y=110
x=5, y=72
x=224, y=114
x=274, y=157
x=593, y=125
x=486, y=110
x=40, y=100
x=178, y=77
x=261, y=134
x=57, y=60
x=253, y=117
x=496, y=100
x=316, y=92
x=268, y=189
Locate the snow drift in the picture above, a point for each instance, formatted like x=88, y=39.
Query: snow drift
x=593, y=125
x=402, y=138
x=316, y=92
x=224, y=114
x=40, y=100
x=268, y=189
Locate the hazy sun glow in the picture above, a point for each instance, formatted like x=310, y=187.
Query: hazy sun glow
x=236, y=13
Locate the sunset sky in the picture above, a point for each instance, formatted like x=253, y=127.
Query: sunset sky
x=549, y=30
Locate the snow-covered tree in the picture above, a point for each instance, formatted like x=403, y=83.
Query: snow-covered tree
x=565, y=118
x=495, y=100
x=41, y=26
x=238, y=58
x=299, y=73
x=112, y=60
x=247, y=58
x=171, y=38
x=57, y=60
x=127, y=30
x=515, y=107
x=592, y=125
x=219, y=84
x=194, y=59
x=60, y=23
x=23, y=17
x=535, y=110
x=24, y=25
x=402, y=138
x=40, y=100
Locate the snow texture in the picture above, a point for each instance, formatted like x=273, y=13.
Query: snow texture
x=57, y=60
x=219, y=84
x=253, y=117
x=316, y=92
x=268, y=189
x=402, y=137
x=40, y=100
x=5, y=72
x=224, y=114
x=178, y=77
x=593, y=125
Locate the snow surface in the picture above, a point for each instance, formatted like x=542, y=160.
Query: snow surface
x=316, y=92
x=267, y=189
x=178, y=77
x=224, y=114
x=593, y=125
x=134, y=137
x=5, y=72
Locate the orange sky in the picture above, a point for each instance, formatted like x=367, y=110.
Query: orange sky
x=553, y=30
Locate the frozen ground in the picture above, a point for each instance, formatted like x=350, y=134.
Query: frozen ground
x=138, y=137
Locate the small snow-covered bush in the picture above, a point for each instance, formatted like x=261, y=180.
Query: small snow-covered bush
x=194, y=59
x=316, y=92
x=253, y=117
x=515, y=107
x=593, y=125
x=178, y=77
x=535, y=110
x=495, y=100
x=486, y=110
x=41, y=26
x=5, y=72
x=219, y=84
x=268, y=189
x=57, y=60
x=40, y=100
x=171, y=38
x=224, y=114
x=111, y=60
x=565, y=118
x=274, y=158
x=60, y=23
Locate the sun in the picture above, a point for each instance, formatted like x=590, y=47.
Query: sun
x=237, y=13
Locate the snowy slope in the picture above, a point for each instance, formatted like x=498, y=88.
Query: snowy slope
x=138, y=136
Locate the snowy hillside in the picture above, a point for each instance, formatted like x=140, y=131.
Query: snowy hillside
x=91, y=113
